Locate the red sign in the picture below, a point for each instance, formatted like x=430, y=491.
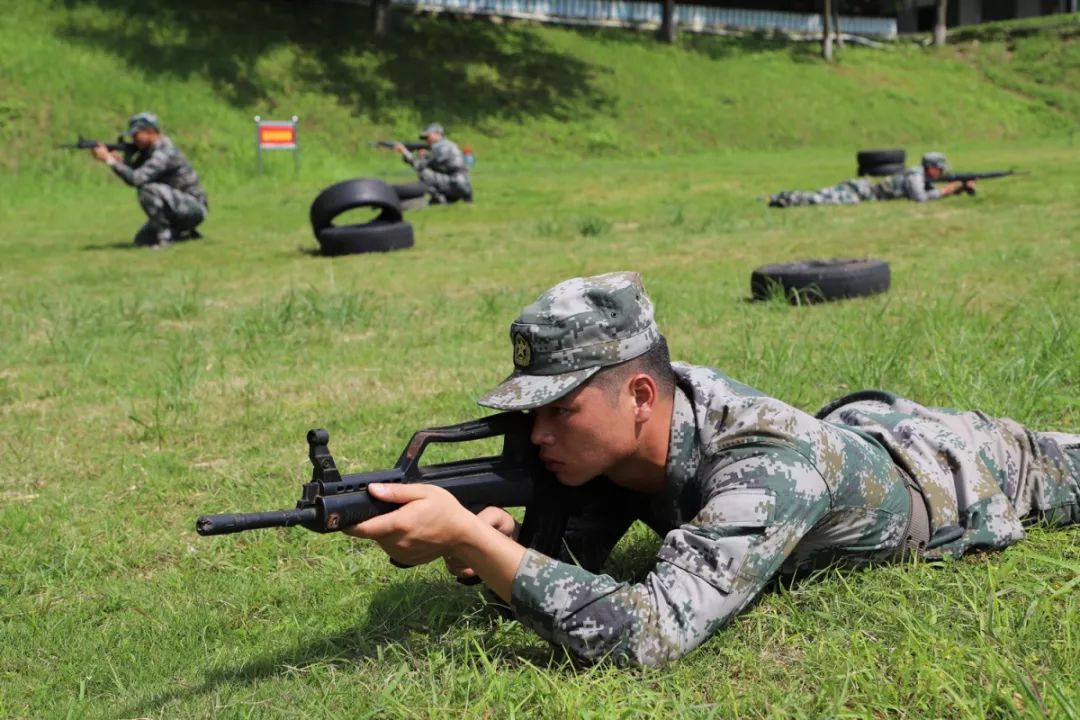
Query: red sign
x=277, y=137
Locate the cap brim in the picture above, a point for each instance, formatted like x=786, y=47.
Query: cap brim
x=525, y=392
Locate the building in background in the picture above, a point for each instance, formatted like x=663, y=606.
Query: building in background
x=919, y=15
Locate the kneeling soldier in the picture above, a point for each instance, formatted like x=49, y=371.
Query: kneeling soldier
x=169, y=189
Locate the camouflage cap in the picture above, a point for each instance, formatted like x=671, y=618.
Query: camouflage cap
x=432, y=128
x=934, y=159
x=569, y=333
x=142, y=121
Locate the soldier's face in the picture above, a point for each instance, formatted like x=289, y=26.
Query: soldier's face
x=585, y=434
x=933, y=172
x=144, y=138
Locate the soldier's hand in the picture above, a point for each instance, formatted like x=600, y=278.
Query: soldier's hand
x=428, y=525
x=101, y=152
x=422, y=152
x=496, y=518
x=399, y=148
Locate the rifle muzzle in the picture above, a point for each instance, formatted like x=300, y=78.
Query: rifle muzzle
x=238, y=522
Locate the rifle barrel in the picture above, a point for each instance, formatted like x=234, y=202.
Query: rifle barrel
x=238, y=522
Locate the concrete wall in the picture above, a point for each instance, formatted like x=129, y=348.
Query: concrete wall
x=970, y=12
x=1028, y=8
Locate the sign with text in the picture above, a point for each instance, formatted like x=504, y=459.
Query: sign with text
x=277, y=135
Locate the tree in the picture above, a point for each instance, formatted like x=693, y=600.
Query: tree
x=836, y=24
x=667, y=21
x=826, y=31
x=939, y=26
x=380, y=17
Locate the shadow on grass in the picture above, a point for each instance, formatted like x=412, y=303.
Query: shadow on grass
x=111, y=246
x=439, y=67
x=407, y=615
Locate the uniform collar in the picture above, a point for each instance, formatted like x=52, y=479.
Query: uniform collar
x=683, y=453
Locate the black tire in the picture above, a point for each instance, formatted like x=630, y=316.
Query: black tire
x=410, y=190
x=881, y=170
x=375, y=236
x=349, y=194
x=809, y=281
x=868, y=158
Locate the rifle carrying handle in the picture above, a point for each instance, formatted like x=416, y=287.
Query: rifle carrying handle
x=491, y=426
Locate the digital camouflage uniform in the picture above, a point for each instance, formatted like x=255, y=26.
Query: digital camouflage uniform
x=755, y=487
x=169, y=191
x=443, y=171
x=911, y=184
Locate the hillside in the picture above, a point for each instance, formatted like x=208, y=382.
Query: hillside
x=513, y=91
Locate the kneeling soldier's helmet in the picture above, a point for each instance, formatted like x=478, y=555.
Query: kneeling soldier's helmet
x=142, y=121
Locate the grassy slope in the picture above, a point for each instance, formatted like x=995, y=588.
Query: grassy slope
x=512, y=91
x=138, y=390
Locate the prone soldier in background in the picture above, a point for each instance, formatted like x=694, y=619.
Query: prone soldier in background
x=441, y=168
x=169, y=189
x=915, y=183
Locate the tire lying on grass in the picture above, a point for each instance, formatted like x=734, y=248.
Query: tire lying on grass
x=375, y=236
x=410, y=191
x=881, y=170
x=810, y=281
x=386, y=232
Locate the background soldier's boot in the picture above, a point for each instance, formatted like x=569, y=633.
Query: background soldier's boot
x=164, y=239
x=146, y=236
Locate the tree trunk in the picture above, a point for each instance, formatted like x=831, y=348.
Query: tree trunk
x=380, y=17
x=826, y=32
x=836, y=24
x=939, y=26
x=667, y=21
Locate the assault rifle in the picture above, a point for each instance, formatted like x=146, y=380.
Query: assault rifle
x=85, y=144
x=968, y=177
x=514, y=478
x=411, y=147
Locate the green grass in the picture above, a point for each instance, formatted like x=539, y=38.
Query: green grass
x=515, y=92
x=141, y=389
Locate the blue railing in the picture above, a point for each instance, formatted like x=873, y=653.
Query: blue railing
x=629, y=14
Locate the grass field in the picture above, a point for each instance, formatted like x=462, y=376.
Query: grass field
x=139, y=390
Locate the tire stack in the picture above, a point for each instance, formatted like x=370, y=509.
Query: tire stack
x=388, y=231
x=881, y=162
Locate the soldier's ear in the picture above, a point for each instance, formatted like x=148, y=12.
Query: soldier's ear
x=644, y=391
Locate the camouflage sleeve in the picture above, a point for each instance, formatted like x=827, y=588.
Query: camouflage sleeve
x=918, y=189
x=124, y=172
x=415, y=162
x=758, y=508
x=155, y=166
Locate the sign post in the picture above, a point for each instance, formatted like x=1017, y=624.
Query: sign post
x=277, y=135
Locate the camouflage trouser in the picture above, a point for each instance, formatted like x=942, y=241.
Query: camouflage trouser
x=446, y=188
x=168, y=211
x=981, y=475
x=848, y=192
